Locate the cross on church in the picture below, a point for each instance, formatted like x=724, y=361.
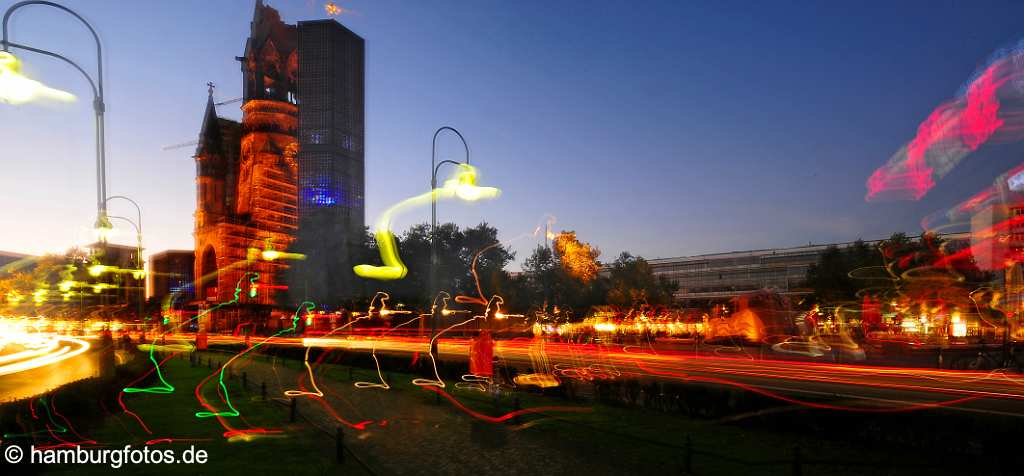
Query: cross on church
x=211, y=85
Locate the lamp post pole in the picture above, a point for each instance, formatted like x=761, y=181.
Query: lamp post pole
x=102, y=222
x=138, y=258
x=138, y=253
x=434, y=166
x=137, y=223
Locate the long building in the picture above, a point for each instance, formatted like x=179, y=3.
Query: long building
x=725, y=275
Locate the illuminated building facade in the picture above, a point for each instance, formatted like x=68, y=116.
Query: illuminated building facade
x=997, y=235
x=246, y=175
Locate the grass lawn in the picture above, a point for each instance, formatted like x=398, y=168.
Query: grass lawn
x=647, y=440
x=633, y=440
x=293, y=449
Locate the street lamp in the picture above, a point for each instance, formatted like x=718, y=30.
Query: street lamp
x=137, y=223
x=139, y=273
x=434, y=167
x=16, y=88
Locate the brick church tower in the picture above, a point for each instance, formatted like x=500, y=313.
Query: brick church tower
x=246, y=179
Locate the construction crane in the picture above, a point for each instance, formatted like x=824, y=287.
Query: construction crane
x=196, y=142
x=229, y=101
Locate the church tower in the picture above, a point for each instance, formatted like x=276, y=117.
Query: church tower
x=287, y=178
x=246, y=176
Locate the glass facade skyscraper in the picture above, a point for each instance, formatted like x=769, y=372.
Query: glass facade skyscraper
x=330, y=93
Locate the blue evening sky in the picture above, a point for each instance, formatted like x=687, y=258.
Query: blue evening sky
x=661, y=128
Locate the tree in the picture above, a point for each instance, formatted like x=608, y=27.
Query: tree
x=632, y=282
x=38, y=282
x=456, y=251
x=480, y=245
x=831, y=277
x=541, y=273
x=578, y=259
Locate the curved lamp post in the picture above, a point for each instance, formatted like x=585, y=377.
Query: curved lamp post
x=434, y=167
x=137, y=223
x=15, y=88
x=138, y=258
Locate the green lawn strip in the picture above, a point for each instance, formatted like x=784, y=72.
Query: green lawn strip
x=298, y=449
x=653, y=435
x=643, y=434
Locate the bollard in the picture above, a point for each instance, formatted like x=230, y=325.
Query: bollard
x=688, y=456
x=263, y=390
x=291, y=417
x=339, y=448
x=797, y=462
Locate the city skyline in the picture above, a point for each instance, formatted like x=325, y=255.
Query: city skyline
x=639, y=154
x=653, y=237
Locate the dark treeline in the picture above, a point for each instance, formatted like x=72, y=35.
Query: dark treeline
x=924, y=268
x=564, y=276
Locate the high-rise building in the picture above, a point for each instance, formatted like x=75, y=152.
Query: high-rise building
x=331, y=173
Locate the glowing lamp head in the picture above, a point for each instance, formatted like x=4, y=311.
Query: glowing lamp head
x=9, y=63
x=103, y=228
x=385, y=312
x=271, y=255
x=139, y=274
x=65, y=286
x=15, y=88
x=500, y=315
x=39, y=296
x=463, y=183
x=97, y=269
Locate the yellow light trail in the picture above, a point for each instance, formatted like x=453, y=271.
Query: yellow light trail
x=462, y=185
